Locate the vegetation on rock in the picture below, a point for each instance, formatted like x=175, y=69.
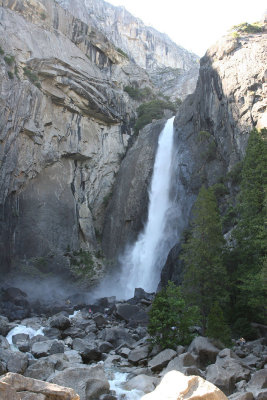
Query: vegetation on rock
x=152, y=110
x=245, y=27
x=171, y=319
x=139, y=94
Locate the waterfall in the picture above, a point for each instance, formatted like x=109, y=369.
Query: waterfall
x=142, y=263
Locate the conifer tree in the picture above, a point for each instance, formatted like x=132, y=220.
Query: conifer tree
x=251, y=232
x=205, y=278
x=217, y=328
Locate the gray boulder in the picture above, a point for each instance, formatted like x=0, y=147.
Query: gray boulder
x=15, y=361
x=105, y=347
x=129, y=312
x=4, y=326
x=205, y=351
x=46, y=348
x=80, y=378
x=73, y=332
x=4, y=343
x=139, y=354
x=88, y=351
x=118, y=336
x=258, y=384
x=95, y=388
x=227, y=371
x=182, y=363
x=241, y=396
x=161, y=360
x=60, y=321
x=3, y=368
x=100, y=320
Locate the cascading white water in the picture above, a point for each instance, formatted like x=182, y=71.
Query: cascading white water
x=142, y=263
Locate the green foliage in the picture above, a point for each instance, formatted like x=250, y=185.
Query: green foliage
x=205, y=278
x=251, y=235
x=122, y=53
x=219, y=189
x=170, y=319
x=10, y=75
x=203, y=136
x=152, y=110
x=216, y=325
x=82, y=264
x=138, y=94
x=1, y=51
x=9, y=59
x=230, y=218
x=236, y=173
x=43, y=16
x=33, y=78
x=245, y=27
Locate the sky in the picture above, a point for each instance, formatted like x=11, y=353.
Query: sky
x=194, y=24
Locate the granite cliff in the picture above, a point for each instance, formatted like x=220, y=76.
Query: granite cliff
x=172, y=68
x=65, y=125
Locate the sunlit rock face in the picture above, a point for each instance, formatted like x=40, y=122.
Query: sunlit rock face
x=229, y=101
x=173, y=69
x=64, y=127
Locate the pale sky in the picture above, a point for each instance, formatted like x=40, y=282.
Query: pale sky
x=194, y=24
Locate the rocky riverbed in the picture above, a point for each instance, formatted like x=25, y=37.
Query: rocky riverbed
x=102, y=351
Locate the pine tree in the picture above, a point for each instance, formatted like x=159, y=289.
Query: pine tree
x=205, y=277
x=251, y=232
x=217, y=328
x=170, y=319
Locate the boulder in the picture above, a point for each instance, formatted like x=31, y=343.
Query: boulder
x=142, y=382
x=161, y=360
x=95, y=388
x=15, y=361
x=241, y=396
x=129, y=312
x=52, y=333
x=53, y=392
x=7, y=392
x=3, y=368
x=205, y=351
x=118, y=336
x=73, y=332
x=4, y=326
x=60, y=321
x=88, y=351
x=175, y=385
x=78, y=377
x=46, y=348
x=105, y=347
x=41, y=369
x=100, y=320
x=258, y=384
x=227, y=370
x=4, y=343
x=139, y=354
x=181, y=363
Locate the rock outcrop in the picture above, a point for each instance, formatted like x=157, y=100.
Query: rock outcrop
x=172, y=69
x=213, y=125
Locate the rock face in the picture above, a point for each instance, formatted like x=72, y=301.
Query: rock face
x=213, y=124
x=64, y=129
x=172, y=69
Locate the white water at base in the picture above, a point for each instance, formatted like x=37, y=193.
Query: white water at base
x=116, y=384
x=142, y=263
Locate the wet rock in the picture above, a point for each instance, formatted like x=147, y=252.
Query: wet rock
x=161, y=360
x=142, y=382
x=46, y=348
x=205, y=351
x=21, y=383
x=175, y=385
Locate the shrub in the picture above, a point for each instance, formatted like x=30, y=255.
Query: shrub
x=152, y=110
x=43, y=16
x=9, y=59
x=10, y=75
x=245, y=27
x=219, y=189
x=138, y=94
x=203, y=136
x=235, y=174
x=122, y=53
x=1, y=51
x=32, y=77
x=82, y=264
x=170, y=319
